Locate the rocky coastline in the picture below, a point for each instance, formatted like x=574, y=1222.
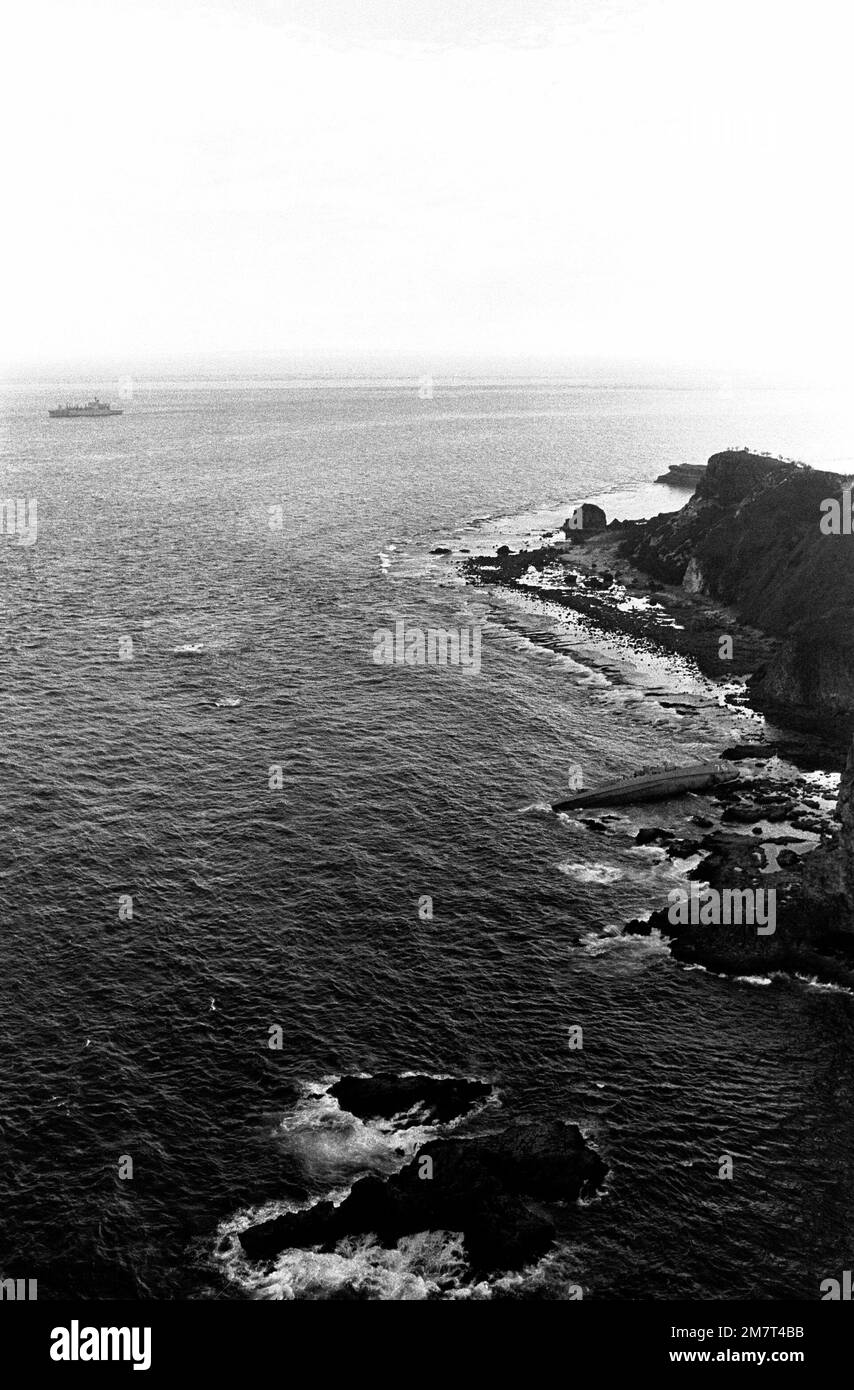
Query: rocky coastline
x=747, y=582
x=744, y=561
x=505, y=1193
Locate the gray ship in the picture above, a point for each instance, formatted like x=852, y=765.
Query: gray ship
x=92, y=410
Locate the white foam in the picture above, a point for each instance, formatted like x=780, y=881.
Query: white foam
x=813, y=982
x=418, y=1267
x=615, y=941
x=591, y=873
x=334, y=1148
x=550, y=1277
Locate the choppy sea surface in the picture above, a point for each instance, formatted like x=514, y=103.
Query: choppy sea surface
x=268, y=530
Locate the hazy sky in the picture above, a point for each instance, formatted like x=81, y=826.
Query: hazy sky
x=665, y=179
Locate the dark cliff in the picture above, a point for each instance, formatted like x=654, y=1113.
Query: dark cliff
x=751, y=537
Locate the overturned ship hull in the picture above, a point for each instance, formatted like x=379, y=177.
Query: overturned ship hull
x=652, y=786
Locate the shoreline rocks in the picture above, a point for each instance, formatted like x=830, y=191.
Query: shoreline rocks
x=583, y=578
x=751, y=537
x=490, y=1188
x=745, y=557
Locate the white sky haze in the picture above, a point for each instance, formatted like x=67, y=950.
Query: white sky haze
x=667, y=179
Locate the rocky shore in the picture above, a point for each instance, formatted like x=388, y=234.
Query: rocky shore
x=814, y=918
x=747, y=581
x=501, y=1191
x=755, y=537
x=591, y=577
x=744, y=560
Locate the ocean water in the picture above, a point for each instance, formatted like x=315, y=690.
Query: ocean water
x=272, y=528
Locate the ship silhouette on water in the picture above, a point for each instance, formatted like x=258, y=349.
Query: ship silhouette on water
x=92, y=410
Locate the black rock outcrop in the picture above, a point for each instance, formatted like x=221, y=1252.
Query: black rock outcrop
x=588, y=517
x=752, y=537
x=428, y=1098
x=490, y=1188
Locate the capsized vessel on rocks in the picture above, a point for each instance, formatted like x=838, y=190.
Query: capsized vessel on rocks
x=653, y=786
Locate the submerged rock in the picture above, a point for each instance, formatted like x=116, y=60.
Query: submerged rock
x=653, y=835
x=597, y=826
x=683, y=849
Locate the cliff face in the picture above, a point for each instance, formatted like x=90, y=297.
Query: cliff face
x=814, y=670
x=669, y=544
x=751, y=537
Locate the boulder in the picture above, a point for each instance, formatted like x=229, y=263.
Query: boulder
x=742, y=815
x=588, y=517
x=653, y=835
